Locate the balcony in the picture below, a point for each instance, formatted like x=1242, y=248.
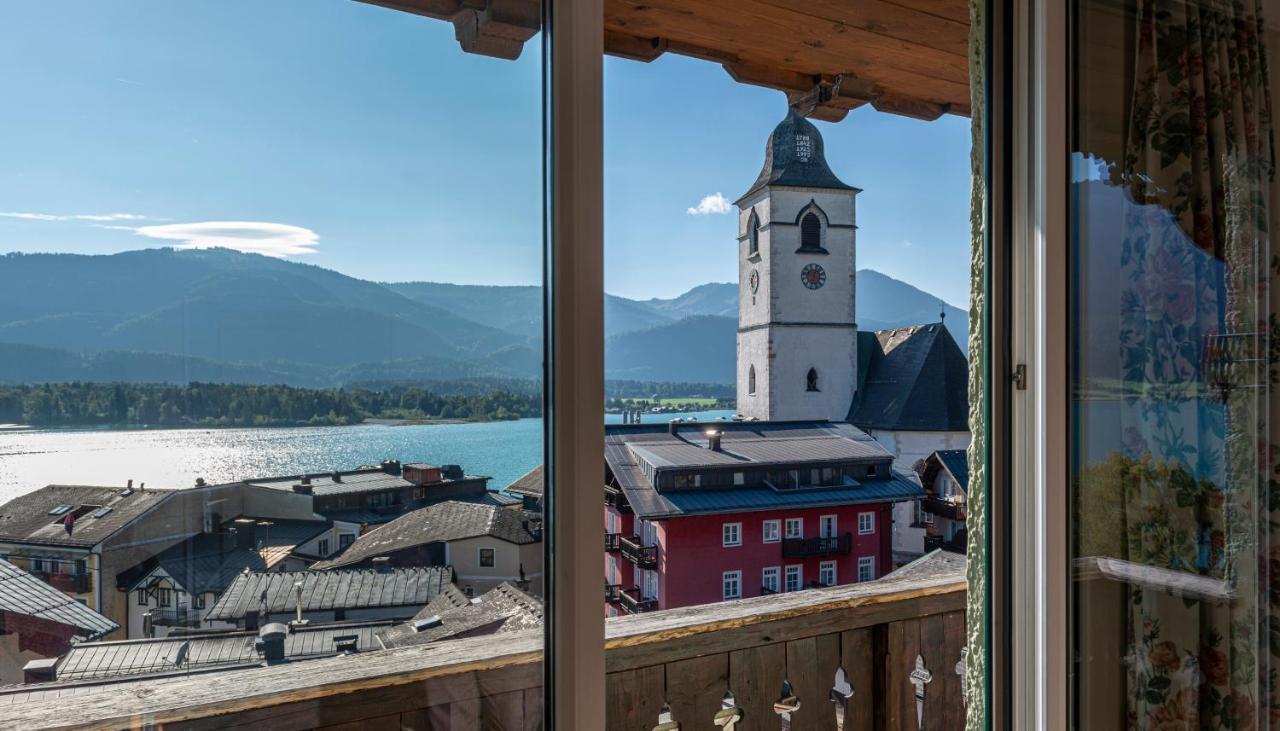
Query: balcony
x=943, y=508
x=957, y=545
x=821, y=546
x=612, y=593
x=69, y=583
x=634, y=603
x=646, y=557
x=611, y=542
x=878, y=631
x=180, y=617
x=614, y=498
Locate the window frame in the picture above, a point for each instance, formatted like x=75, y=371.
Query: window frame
x=725, y=577
x=798, y=522
x=870, y=530
x=776, y=573
x=796, y=570
x=724, y=535
x=765, y=525
x=825, y=566
x=493, y=557
x=828, y=526
x=867, y=562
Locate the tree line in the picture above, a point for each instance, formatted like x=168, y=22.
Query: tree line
x=240, y=405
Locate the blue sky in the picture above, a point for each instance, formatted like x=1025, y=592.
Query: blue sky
x=363, y=140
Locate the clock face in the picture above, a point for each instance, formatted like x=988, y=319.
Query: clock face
x=813, y=276
x=754, y=279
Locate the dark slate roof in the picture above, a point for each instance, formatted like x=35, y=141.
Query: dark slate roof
x=530, y=484
x=957, y=463
x=330, y=590
x=365, y=479
x=27, y=519
x=633, y=452
x=213, y=651
x=22, y=593
x=914, y=379
x=451, y=520
x=782, y=166
x=504, y=608
x=209, y=562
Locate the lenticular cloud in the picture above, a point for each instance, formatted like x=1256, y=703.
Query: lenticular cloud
x=251, y=237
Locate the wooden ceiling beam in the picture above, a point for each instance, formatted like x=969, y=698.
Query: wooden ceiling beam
x=884, y=18
x=625, y=45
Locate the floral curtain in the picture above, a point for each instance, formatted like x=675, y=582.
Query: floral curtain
x=1192, y=387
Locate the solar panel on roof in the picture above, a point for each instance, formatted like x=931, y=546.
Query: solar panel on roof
x=100, y=512
x=60, y=510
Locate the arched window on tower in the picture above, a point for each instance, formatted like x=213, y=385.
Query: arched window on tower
x=751, y=381
x=810, y=231
x=811, y=380
x=753, y=234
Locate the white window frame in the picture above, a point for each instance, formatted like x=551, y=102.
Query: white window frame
x=798, y=524
x=796, y=571
x=736, y=578
x=823, y=569
x=868, y=563
x=774, y=573
x=765, y=526
x=870, y=518
x=828, y=526
x=725, y=541
x=739, y=479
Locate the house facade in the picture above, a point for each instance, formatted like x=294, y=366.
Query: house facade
x=945, y=476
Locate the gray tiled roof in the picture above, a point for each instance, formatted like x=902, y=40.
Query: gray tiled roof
x=22, y=593
x=911, y=379
x=782, y=166
x=27, y=519
x=223, y=650
x=330, y=590
x=531, y=483
x=935, y=563
x=370, y=479
x=505, y=608
x=451, y=520
x=630, y=449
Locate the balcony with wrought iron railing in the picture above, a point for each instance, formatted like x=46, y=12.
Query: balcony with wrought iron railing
x=897, y=643
x=818, y=546
x=943, y=508
x=614, y=498
x=611, y=544
x=178, y=617
x=634, y=602
x=646, y=557
x=612, y=593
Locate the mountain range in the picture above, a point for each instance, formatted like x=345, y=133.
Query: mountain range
x=158, y=315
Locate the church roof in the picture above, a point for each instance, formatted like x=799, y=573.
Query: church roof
x=785, y=164
x=911, y=379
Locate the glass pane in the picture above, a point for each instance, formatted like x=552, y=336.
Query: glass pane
x=270, y=358
x=787, y=363
x=1172, y=207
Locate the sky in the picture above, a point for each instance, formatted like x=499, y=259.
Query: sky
x=364, y=140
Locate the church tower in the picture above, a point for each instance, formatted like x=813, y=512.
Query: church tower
x=797, y=335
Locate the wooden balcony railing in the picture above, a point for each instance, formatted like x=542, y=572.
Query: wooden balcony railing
x=634, y=602
x=613, y=497
x=821, y=546
x=646, y=557
x=612, y=593
x=943, y=508
x=898, y=642
x=611, y=542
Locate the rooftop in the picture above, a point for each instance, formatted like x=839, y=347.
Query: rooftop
x=22, y=593
x=40, y=517
x=911, y=379
x=344, y=482
x=504, y=608
x=531, y=483
x=330, y=590
x=451, y=520
x=794, y=156
x=636, y=452
x=954, y=461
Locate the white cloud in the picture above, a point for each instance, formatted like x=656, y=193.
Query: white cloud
x=905, y=244
x=714, y=203
x=252, y=237
x=26, y=216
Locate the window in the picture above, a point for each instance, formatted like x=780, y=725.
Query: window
x=323, y=547
x=795, y=527
x=866, y=568
x=197, y=601
x=345, y=539
x=872, y=470
x=753, y=234
x=827, y=573
x=751, y=381
x=731, y=533
x=732, y=585
x=140, y=597
x=650, y=584
x=795, y=578
x=772, y=531
x=866, y=523
x=811, y=380
x=164, y=597
x=769, y=580
x=37, y=564
x=487, y=558
x=827, y=526
x=810, y=231
x=739, y=479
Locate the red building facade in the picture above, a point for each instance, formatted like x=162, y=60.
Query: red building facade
x=698, y=538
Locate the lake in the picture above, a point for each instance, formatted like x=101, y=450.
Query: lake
x=503, y=450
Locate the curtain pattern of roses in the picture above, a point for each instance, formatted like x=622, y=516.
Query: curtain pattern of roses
x=1194, y=320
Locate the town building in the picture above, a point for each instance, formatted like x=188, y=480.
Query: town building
x=257, y=598
x=486, y=545
x=529, y=487
x=945, y=476
x=699, y=513
x=377, y=495
x=454, y=615
x=38, y=623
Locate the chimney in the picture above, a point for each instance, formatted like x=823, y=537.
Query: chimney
x=713, y=441
x=40, y=671
x=297, y=596
x=304, y=487
x=337, y=476
x=673, y=427
x=129, y=486
x=381, y=564
x=251, y=620
x=270, y=642
x=391, y=466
